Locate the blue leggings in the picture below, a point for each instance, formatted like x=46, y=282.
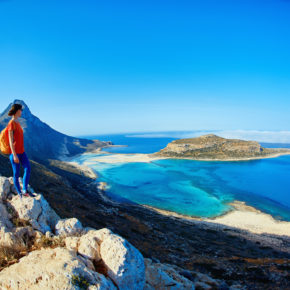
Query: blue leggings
x=16, y=171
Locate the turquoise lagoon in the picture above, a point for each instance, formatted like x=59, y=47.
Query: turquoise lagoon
x=196, y=188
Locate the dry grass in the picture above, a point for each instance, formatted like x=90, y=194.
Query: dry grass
x=11, y=255
x=46, y=242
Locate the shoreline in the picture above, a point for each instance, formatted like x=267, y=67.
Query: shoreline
x=243, y=217
x=229, y=159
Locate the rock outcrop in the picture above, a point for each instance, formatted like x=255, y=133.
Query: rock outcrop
x=60, y=253
x=212, y=147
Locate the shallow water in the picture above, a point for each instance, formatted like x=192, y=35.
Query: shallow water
x=199, y=188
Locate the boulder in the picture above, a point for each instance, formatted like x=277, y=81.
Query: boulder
x=52, y=269
x=68, y=227
x=124, y=263
x=37, y=211
x=89, y=246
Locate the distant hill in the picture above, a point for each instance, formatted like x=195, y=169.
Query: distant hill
x=213, y=147
x=42, y=142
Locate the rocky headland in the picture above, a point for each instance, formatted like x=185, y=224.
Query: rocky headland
x=212, y=147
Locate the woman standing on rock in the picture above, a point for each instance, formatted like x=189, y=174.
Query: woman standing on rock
x=16, y=152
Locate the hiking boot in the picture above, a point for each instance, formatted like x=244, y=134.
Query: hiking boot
x=28, y=193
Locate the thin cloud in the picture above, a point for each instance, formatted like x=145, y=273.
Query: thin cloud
x=254, y=135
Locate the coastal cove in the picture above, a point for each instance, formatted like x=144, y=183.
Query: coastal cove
x=202, y=190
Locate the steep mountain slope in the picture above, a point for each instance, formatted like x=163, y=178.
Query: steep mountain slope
x=42, y=142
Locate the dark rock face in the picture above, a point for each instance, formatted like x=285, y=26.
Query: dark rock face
x=42, y=142
x=215, y=147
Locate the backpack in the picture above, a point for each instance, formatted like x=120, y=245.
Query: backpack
x=4, y=141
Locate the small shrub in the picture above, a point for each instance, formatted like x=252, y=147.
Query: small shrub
x=50, y=242
x=17, y=222
x=80, y=281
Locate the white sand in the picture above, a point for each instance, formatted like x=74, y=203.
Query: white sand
x=243, y=217
x=120, y=158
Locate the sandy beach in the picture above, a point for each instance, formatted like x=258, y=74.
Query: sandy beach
x=124, y=158
x=243, y=217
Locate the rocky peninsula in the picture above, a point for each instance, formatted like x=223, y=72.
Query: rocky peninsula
x=214, y=148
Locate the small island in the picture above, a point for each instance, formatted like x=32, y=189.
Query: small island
x=212, y=147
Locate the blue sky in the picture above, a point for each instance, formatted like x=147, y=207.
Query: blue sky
x=96, y=67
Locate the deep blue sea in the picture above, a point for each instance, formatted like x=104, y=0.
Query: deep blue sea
x=194, y=188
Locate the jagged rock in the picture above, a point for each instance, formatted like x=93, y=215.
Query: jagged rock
x=125, y=264
x=48, y=215
x=72, y=243
x=7, y=238
x=4, y=188
x=50, y=269
x=162, y=276
x=89, y=246
x=35, y=210
x=68, y=227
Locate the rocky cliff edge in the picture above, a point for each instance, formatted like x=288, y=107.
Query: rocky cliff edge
x=39, y=250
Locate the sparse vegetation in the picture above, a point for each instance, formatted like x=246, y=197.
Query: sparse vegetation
x=80, y=281
x=11, y=255
x=46, y=242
